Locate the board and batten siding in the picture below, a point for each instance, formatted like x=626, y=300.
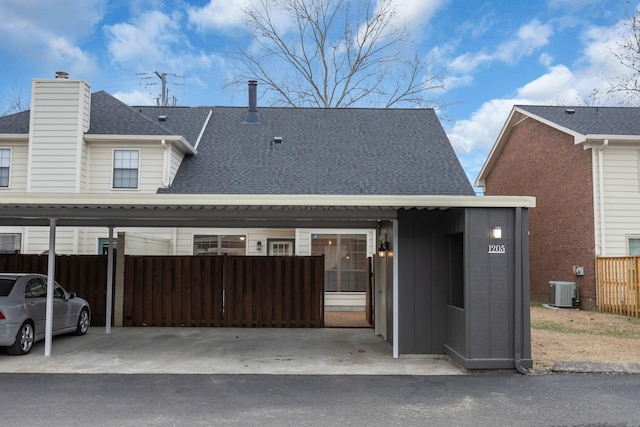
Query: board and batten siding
x=621, y=173
x=150, y=169
x=59, y=118
x=18, y=166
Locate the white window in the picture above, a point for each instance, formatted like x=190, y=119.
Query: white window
x=219, y=244
x=5, y=162
x=345, y=261
x=10, y=243
x=280, y=247
x=125, y=168
x=634, y=246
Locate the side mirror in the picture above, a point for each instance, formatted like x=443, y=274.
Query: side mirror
x=72, y=295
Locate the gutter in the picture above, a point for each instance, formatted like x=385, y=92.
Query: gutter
x=605, y=143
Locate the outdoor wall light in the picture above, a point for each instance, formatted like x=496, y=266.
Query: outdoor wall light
x=259, y=246
x=382, y=250
x=496, y=232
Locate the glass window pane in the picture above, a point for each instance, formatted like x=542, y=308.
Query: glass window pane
x=634, y=246
x=345, y=257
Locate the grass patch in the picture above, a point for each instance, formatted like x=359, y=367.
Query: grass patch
x=599, y=329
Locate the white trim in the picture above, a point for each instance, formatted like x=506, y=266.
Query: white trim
x=141, y=138
x=280, y=200
x=396, y=304
x=204, y=127
x=8, y=187
x=113, y=168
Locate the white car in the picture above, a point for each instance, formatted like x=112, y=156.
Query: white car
x=23, y=301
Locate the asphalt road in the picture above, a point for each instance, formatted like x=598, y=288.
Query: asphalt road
x=496, y=399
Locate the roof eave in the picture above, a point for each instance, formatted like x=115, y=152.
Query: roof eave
x=14, y=136
x=181, y=141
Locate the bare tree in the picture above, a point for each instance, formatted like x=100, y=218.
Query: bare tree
x=13, y=103
x=334, y=53
x=628, y=55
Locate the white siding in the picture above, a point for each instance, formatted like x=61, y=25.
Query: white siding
x=59, y=117
x=184, y=244
x=176, y=161
x=621, y=198
x=145, y=245
x=101, y=166
x=17, y=167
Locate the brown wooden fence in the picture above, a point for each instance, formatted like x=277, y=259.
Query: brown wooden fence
x=236, y=291
x=617, y=285
x=86, y=275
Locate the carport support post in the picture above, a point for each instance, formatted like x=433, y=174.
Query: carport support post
x=51, y=264
x=109, y=281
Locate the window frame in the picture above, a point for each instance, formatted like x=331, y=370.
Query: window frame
x=220, y=248
x=629, y=239
x=8, y=168
x=114, y=169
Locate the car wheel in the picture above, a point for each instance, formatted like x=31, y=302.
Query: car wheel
x=83, y=322
x=24, y=340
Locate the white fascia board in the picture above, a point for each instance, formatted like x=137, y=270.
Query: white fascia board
x=14, y=137
x=594, y=138
x=506, y=129
x=490, y=160
x=183, y=143
x=397, y=202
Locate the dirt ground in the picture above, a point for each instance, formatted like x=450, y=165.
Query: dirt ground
x=570, y=335
x=558, y=335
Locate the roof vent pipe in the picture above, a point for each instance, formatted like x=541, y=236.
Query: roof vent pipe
x=62, y=75
x=252, y=115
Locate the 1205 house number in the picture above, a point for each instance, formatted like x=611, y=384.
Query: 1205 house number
x=497, y=249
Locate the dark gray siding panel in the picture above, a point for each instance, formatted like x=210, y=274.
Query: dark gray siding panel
x=422, y=281
x=489, y=303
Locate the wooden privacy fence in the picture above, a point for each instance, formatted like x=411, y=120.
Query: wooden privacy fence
x=617, y=285
x=86, y=275
x=234, y=291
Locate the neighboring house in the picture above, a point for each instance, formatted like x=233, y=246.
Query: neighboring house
x=583, y=166
x=453, y=275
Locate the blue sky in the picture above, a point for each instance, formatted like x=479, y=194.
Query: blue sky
x=493, y=54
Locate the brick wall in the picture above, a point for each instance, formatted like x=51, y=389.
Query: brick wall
x=538, y=160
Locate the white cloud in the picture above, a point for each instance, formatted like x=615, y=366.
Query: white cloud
x=50, y=33
x=218, y=14
x=530, y=37
x=135, y=98
x=150, y=39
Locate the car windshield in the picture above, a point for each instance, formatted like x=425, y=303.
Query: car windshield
x=5, y=286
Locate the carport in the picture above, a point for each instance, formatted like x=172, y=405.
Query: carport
x=388, y=214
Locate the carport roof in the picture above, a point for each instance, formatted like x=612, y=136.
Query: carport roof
x=184, y=210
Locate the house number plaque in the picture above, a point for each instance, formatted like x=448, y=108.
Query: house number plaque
x=497, y=249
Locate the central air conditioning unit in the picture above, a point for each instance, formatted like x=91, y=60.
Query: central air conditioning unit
x=562, y=294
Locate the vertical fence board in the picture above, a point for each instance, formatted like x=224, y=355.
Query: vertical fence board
x=617, y=285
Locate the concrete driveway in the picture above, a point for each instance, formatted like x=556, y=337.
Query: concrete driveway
x=328, y=351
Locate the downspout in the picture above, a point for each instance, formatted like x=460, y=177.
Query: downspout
x=603, y=250
x=519, y=309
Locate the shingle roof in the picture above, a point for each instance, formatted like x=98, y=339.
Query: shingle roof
x=17, y=123
x=323, y=151
x=591, y=120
